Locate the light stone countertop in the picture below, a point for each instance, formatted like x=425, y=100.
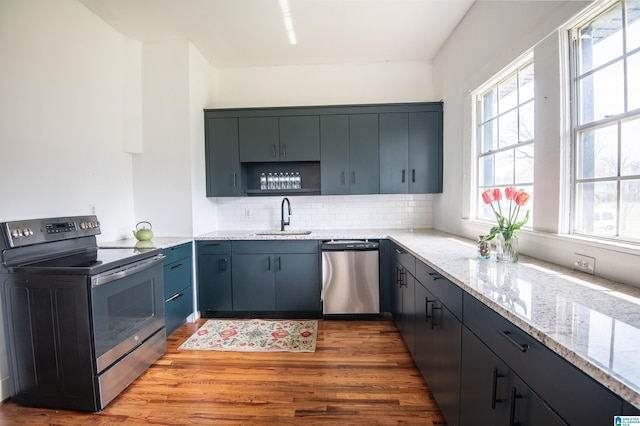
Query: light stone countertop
x=156, y=242
x=591, y=322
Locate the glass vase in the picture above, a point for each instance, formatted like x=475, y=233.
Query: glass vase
x=506, y=249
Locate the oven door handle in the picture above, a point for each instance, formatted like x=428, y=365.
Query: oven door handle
x=108, y=277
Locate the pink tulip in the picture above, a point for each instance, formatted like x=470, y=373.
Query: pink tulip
x=488, y=196
x=521, y=198
x=510, y=192
x=497, y=194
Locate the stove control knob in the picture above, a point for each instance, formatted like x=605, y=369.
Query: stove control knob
x=83, y=225
x=27, y=232
x=16, y=233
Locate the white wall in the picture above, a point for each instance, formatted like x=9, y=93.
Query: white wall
x=473, y=55
x=61, y=115
x=324, y=84
x=63, y=74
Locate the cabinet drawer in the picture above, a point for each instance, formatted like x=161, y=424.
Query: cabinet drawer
x=406, y=259
x=214, y=247
x=270, y=246
x=177, y=252
x=177, y=308
x=177, y=276
x=447, y=292
x=549, y=375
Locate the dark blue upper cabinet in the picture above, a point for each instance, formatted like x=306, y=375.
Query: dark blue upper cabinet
x=344, y=149
x=288, y=138
x=410, y=152
x=224, y=177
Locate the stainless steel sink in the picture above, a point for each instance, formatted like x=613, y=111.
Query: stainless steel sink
x=281, y=233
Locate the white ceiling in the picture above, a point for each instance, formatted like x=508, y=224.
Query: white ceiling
x=251, y=33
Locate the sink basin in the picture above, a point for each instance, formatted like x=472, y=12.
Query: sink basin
x=277, y=233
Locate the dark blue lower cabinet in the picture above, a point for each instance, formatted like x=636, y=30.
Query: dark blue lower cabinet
x=178, y=285
x=492, y=395
x=276, y=282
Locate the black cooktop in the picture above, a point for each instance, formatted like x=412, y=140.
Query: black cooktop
x=89, y=262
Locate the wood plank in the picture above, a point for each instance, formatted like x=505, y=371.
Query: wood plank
x=360, y=374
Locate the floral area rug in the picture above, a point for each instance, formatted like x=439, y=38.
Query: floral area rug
x=254, y=335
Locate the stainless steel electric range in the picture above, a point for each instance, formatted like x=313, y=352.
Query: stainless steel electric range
x=81, y=323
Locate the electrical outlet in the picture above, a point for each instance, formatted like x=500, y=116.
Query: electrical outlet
x=93, y=209
x=247, y=213
x=584, y=263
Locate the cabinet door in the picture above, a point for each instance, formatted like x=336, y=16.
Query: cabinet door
x=223, y=164
x=425, y=153
x=423, y=345
x=484, y=385
x=259, y=139
x=526, y=408
x=214, y=283
x=394, y=153
x=254, y=282
x=334, y=154
x=300, y=138
x=447, y=353
x=297, y=282
x=408, y=318
x=364, y=175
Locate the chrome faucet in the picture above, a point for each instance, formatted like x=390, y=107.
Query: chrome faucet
x=282, y=222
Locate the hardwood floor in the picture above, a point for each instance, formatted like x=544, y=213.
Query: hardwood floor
x=360, y=374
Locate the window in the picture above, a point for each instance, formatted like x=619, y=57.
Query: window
x=504, y=134
x=606, y=130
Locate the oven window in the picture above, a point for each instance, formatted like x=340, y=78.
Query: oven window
x=127, y=309
x=126, y=312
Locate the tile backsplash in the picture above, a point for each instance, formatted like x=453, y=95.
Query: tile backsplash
x=328, y=212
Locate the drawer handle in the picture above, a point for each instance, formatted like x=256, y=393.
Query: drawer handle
x=494, y=389
x=403, y=173
x=398, y=251
x=507, y=335
x=436, y=276
x=176, y=266
x=174, y=297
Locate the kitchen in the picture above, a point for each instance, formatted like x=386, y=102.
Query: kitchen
x=131, y=113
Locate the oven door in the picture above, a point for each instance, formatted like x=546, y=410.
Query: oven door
x=127, y=308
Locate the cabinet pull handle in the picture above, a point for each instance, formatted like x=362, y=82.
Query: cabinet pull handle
x=223, y=264
x=274, y=153
x=342, y=178
x=512, y=408
x=507, y=335
x=402, y=278
x=403, y=175
x=413, y=175
x=436, y=276
x=398, y=251
x=284, y=150
x=353, y=177
x=279, y=263
x=269, y=263
x=174, y=297
x=494, y=388
x=426, y=306
x=176, y=266
x=234, y=179
x=433, y=315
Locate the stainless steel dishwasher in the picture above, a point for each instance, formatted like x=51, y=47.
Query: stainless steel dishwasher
x=350, y=277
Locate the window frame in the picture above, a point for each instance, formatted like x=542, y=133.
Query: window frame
x=579, y=127
x=527, y=59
